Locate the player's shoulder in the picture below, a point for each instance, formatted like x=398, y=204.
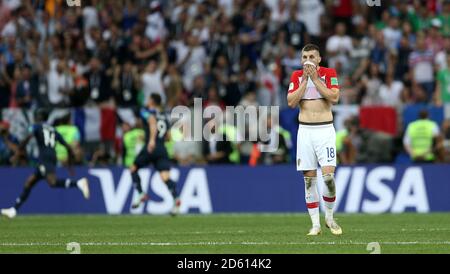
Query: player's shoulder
x=147, y=112
x=325, y=70
x=34, y=127
x=298, y=73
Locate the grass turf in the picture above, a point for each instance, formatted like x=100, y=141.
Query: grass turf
x=224, y=233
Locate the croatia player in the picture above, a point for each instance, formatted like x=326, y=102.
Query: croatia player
x=314, y=89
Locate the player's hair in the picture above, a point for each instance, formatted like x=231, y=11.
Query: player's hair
x=156, y=98
x=423, y=114
x=309, y=47
x=41, y=115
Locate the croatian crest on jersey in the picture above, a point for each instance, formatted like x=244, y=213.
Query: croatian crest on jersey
x=334, y=81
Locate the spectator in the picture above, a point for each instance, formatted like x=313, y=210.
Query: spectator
x=217, y=149
x=191, y=58
x=372, y=84
x=125, y=84
x=359, y=58
x=186, y=152
x=392, y=34
x=71, y=135
x=311, y=12
x=151, y=79
x=101, y=157
x=421, y=139
x=133, y=141
x=269, y=91
x=338, y=47
x=5, y=88
x=296, y=32
x=443, y=84
x=281, y=153
x=155, y=30
x=421, y=63
x=174, y=87
x=24, y=90
x=9, y=146
x=390, y=91
x=214, y=98
x=380, y=53
x=225, y=52
x=434, y=40
x=441, y=57
x=98, y=82
x=199, y=89
x=60, y=83
x=90, y=15
x=444, y=17
x=402, y=65
x=239, y=86
x=342, y=11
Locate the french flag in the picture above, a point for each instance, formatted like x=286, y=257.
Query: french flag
x=95, y=124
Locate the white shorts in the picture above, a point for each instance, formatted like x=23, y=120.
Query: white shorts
x=316, y=145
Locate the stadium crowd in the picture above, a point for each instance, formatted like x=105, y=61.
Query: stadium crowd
x=114, y=54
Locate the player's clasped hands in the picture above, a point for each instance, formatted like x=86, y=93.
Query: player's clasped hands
x=311, y=72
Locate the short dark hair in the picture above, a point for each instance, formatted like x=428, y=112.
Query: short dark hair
x=156, y=98
x=423, y=114
x=41, y=115
x=309, y=47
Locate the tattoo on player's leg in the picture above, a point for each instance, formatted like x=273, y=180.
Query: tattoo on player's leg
x=308, y=182
x=329, y=181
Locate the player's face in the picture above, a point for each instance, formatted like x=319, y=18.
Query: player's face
x=312, y=56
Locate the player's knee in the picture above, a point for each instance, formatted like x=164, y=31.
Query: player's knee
x=309, y=181
x=51, y=183
x=310, y=173
x=330, y=183
x=133, y=169
x=165, y=176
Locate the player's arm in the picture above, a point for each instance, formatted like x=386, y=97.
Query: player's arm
x=330, y=90
x=63, y=142
x=296, y=90
x=27, y=139
x=407, y=142
x=153, y=132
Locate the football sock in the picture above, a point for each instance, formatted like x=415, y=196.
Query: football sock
x=172, y=187
x=136, y=181
x=329, y=194
x=312, y=199
x=65, y=183
x=22, y=198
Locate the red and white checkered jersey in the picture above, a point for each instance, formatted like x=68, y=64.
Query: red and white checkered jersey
x=327, y=75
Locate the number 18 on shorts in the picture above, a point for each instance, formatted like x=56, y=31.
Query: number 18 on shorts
x=316, y=145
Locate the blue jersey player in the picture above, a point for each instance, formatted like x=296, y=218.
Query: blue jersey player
x=156, y=126
x=46, y=137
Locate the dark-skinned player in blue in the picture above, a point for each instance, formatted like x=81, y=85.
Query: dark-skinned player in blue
x=46, y=137
x=156, y=126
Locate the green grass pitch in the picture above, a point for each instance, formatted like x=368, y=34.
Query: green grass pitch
x=224, y=233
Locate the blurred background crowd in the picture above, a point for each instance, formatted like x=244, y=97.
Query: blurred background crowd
x=392, y=62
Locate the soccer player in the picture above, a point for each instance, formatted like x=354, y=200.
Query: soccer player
x=314, y=89
x=46, y=137
x=156, y=125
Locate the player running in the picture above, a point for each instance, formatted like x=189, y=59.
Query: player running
x=156, y=126
x=314, y=89
x=46, y=138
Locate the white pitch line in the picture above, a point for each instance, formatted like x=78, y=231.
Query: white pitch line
x=222, y=243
